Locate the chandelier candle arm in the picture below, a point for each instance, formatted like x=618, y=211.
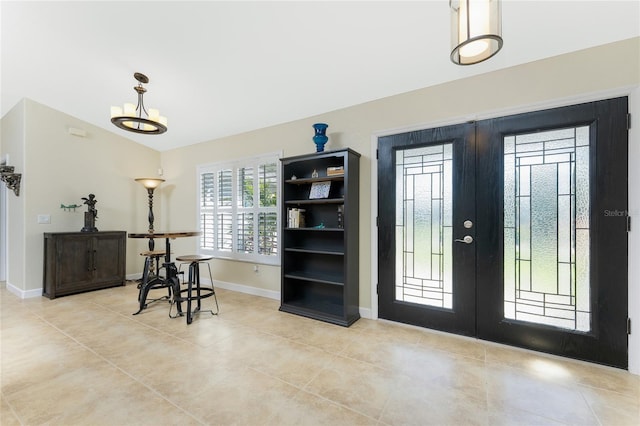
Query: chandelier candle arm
x=136, y=118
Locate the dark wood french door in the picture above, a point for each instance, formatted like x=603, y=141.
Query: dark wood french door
x=512, y=230
x=426, y=191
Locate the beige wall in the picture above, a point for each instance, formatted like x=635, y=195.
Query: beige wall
x=59, y=168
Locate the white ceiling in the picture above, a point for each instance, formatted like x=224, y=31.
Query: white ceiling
x=221, y=68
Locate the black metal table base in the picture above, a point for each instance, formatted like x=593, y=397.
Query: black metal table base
x=157, y=282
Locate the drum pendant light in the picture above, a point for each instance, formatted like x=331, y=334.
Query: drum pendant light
x=476, y=30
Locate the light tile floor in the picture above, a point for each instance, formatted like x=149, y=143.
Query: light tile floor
x=85, y=360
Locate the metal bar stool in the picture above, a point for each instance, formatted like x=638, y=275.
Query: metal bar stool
x=151, y=279
x=194, y=286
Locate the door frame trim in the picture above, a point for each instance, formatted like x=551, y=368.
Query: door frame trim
x=632, y=92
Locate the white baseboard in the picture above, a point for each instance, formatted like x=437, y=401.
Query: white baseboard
x=240, y=288
x=365, y=313
x=24, y=294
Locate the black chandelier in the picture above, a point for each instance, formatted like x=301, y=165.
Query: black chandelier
x=136, y=118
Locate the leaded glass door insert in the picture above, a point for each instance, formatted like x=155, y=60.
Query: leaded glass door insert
x=546, y=228
x=424, y=225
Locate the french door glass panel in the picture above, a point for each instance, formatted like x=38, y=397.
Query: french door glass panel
x=546, y=228
x=424, y=225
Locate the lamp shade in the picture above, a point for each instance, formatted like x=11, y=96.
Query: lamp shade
x=476, y=30
x=150, y=183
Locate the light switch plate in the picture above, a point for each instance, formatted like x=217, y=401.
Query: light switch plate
x=44, y=218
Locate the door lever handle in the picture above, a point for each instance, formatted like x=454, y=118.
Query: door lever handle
x=467, y=239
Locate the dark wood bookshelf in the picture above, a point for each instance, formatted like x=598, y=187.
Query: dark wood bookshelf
x=320, y=277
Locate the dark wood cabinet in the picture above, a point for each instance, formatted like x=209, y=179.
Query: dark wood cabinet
x=81, y=261
x=320, y=257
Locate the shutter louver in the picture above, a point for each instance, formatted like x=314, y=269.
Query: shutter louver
x=268, y=234
x=245, y=232
x=207, y=204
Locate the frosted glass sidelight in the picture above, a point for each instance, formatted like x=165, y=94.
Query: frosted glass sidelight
x=422, y=220
x=424, y=234
x=546, y=228
x=544, y=222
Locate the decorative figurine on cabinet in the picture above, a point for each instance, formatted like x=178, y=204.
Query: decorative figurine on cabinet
x=90, y=215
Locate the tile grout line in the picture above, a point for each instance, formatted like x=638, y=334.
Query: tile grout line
x=303, y=389
x=11, y=407
x=154, y=391
x=595, y=415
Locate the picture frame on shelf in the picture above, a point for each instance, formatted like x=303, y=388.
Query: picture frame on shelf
x=319, y=190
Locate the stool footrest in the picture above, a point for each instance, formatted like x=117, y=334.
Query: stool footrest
x=204, y=293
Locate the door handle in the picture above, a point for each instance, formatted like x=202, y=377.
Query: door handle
x=467, y=239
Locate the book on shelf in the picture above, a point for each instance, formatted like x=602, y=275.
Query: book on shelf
x=295, y=218
x=335, y=171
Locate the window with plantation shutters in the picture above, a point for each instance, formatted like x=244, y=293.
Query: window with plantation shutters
x=238, y=208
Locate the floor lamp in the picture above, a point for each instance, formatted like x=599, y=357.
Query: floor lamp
x=151, y=184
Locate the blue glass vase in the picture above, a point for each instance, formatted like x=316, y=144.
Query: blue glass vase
x=320, y=138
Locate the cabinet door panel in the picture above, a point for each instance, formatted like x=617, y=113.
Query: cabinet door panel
x=107, y=258
x=74, y=262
